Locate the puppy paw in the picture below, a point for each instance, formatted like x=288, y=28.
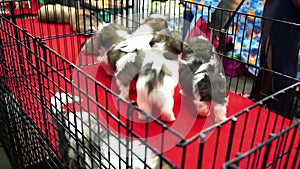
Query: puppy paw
x=182, y=92
x=202, y=107
x=220, y=112
x=220, y=119
x=141, y=117
x=124, y=95
x=167, y=116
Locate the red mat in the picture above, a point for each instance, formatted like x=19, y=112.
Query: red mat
x=22, y=10
x=248, y=132
x=44, y=29
x=250, y=129
x=58, y=37
x=186, y=124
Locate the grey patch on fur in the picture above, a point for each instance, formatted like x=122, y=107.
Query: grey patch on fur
x=170, y=55
x=172, y=39
x=204, y=88
x=148, y=71
x=157, y=23
x=91, y=46
x=199, y=57
x=113, y=56
x=198, y=48
x=109, y=36
x=220, y=89
x=155, y=76
x=105, y=38
x=186, y=74
x=131, y=69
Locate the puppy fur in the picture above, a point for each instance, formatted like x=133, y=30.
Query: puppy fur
x=86, y=132
x=84, y=122
x=104, y=39
x=159, y=76
x=126, y=70
x=155, y=89
x=156, y=22
x=201, y=77
x=170, y=40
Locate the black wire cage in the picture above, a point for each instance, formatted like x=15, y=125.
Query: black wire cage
x=56, y=113
x=261, y=156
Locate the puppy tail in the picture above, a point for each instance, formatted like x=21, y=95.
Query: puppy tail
x=155, y=79
x=151, y=83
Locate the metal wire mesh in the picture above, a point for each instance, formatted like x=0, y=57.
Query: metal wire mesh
x=39, y=133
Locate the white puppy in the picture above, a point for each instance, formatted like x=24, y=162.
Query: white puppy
x=155, y=86
x=104, y=39
x=159, y=76
x=78, y=133
x=96, y=147
x=122, y=58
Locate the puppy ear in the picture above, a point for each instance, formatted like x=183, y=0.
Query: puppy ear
x=158, y=37
x=113, y=55
x=153, y=41
x=177, y=41
x=177, y=46
x=186, y=50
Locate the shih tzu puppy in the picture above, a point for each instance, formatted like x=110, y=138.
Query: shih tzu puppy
x=159, y=75
x=123, y=60
x=79, y=126
x=104, y=39
x=93, y=146
x=202, y=78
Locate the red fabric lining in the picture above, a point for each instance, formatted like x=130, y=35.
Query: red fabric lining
x=247, y=133
x=23, y=10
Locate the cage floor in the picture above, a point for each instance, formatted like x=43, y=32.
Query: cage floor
x=251, y=127
x=59, y=37
x=187, y=124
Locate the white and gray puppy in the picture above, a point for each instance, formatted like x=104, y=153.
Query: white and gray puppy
x=81, y=139
x=104, y=38
x=87, y=142
x=159, y=75
x=123, y=58
x=202, y=77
